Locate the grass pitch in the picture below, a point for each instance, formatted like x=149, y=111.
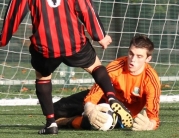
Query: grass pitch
x=25, y=121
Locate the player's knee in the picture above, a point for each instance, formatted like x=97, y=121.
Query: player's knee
x=43, y=76
x=99, y=72
x=94, y=66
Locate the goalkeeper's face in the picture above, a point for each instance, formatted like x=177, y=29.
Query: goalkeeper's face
x=137, y=57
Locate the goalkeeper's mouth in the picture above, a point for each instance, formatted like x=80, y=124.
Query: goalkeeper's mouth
x=131, y=65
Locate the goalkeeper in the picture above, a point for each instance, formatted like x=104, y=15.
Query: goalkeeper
x=58, y=35
x=137, y=87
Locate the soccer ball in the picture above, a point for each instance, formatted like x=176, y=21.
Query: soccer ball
x=111, y=122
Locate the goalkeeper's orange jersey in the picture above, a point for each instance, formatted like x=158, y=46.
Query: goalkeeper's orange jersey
x=136, y=92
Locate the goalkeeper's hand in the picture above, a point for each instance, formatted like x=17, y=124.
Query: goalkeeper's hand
x=142, y=122
x=95, y=114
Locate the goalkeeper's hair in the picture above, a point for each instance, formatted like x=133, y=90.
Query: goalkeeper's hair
x=142, y=41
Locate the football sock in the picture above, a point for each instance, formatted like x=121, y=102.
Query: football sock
x=101, y=77
x=44, y=94
x=50, y=119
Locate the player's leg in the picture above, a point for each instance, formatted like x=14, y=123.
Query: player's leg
x=44, y=68
x=44, y=94
x=101, y=77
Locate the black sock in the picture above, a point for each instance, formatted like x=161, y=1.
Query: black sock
x=102, y=78
x=49, y=120
x=44, y=94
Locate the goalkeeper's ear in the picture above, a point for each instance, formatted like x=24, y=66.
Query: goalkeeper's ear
x=148, y=59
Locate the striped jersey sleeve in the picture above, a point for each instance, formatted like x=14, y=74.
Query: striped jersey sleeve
x=90, y=18
x=15, y=13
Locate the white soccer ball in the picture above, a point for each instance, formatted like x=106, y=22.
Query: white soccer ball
x=109, y=124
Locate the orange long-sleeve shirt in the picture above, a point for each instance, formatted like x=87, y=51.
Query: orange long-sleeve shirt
x=136, y=92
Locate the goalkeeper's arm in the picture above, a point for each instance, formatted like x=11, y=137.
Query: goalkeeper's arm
x=142, y=123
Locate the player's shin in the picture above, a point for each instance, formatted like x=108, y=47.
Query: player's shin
x=102, y=78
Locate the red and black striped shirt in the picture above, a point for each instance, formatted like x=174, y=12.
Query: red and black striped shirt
x=58, y=25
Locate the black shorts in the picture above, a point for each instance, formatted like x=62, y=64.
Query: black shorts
x=84, y=59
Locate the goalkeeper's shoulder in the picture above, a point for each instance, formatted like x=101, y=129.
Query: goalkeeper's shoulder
x=152, y=76
x=151, y=71
x=116, y=67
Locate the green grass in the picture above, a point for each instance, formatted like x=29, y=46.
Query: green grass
x=25, y=121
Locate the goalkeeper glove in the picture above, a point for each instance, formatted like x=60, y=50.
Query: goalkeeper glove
x=122, y=111
x=95, y=114
x=142, y=122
